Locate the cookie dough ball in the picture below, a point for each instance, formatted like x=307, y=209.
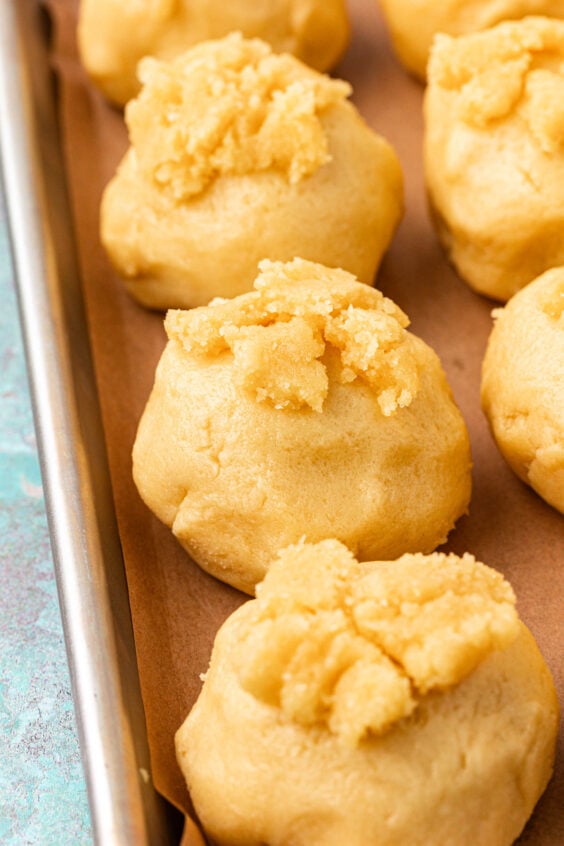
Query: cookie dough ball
x=394, y=703
x=113, y=35
x=414, y=23
x=494, y=152
x=523, y=385
x=238, y=155
x=301, y=410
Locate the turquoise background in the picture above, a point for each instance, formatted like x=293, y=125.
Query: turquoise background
x=42, y=788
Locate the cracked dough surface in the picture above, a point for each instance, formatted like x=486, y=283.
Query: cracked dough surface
x=114, y=35
x=414, y=23
x=387, y=702
x=523, y=385
x=494, y=152
x=238, y=154
x=302, y=408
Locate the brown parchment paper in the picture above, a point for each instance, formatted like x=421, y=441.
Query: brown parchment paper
x=176, y=607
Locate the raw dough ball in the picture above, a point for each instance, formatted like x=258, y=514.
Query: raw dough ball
x=494, y=152
x=302, y=409
x=414, y=23
x=395, y=703
x=239, y=155
x=523, y=385
x=113, y=35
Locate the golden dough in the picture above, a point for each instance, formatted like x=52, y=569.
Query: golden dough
x=238, y=155
x=494, y=152
x=396, y=703
x=414, y=23
x=523, y=385
x=302, y=409
x=114, y=35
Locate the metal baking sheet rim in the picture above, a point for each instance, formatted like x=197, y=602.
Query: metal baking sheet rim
x=125, y=808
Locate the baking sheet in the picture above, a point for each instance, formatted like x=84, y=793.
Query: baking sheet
x=175, y=607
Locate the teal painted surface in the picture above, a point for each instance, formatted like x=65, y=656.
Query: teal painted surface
x=42, y=789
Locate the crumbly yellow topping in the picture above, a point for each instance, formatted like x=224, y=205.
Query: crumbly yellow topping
x=229, y=107
x=543, y=107
x=515, y=65
x=279, y=333
x=353, y=647
x=552, y=300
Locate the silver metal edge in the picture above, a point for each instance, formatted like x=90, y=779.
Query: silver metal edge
x=125, y=809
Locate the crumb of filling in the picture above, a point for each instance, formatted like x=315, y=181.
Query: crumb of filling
x=278, y=335
x=354, y=647
x=513, y=67
x=551, y=301
x=230, y=106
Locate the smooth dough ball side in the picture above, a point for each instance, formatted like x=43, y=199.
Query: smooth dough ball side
x=493, y=152
x=523, y=385
x=244, y=450
x=466, y=767
x=414, y=23
x=114, y=35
